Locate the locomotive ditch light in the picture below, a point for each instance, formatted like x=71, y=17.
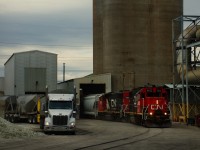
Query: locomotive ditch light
x=151, y=113
x=165, y=113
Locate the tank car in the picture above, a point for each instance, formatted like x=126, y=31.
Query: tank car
x=90, y=105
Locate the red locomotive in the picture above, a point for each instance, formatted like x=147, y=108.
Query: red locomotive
x=146, y=106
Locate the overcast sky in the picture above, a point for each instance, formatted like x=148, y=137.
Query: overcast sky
x=63, y=27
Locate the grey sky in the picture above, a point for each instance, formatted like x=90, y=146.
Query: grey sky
x=63, y=27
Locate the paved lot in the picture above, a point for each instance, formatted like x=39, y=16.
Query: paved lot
x=97, y=134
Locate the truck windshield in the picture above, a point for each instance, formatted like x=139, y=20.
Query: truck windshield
x=60, y=104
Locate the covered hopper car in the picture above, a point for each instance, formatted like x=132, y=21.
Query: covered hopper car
x=146, y=106
x=22, y=108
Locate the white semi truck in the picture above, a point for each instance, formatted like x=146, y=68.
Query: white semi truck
x=58, y=114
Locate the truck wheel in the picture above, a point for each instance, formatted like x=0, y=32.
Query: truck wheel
x=30, y=119
x=41, y=123
x=9, y=118
x=73, y=132
x=47, y=132
x=12, y=119
x=6, y=117
x=34, y=121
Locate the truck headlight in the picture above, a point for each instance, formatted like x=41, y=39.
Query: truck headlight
x=72, y=124
x=47, y=123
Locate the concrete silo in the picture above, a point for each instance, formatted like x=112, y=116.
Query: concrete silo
x=133, y=40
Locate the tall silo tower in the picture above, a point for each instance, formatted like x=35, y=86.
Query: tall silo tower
x=133, y=40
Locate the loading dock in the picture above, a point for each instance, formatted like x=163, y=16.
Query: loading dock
x=88, y=89
x=91, y=84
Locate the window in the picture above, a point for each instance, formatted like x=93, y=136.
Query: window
x=60, y=104
x=153, y=94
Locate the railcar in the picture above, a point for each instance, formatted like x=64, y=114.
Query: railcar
x=146, y=106
x=152, y=109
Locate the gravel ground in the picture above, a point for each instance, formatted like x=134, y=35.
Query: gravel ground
x=9, y=131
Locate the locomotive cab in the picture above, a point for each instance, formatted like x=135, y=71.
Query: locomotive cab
x=152, y=107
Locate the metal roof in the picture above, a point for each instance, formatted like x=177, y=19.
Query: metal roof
x=28, y=52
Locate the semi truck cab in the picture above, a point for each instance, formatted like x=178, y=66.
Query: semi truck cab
x=59, y=115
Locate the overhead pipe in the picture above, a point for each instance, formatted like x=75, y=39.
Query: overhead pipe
x=190, y=35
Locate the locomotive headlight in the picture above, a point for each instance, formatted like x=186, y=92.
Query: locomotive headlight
x=151, y=113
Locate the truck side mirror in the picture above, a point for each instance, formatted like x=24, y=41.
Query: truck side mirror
x=74, y=114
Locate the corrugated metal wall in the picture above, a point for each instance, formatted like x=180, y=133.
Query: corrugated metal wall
x=94, y=79
x=41, y=65
x=1, y=85
x=35, y=80
x=10, y=77
x=67, y=86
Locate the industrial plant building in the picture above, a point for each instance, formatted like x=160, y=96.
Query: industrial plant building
x=30, y=72
x=135, y=43
x=91, y=84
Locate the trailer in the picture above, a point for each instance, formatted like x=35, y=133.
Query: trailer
x=22, y=108
x=3, y=102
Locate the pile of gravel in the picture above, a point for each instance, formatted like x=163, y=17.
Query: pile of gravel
x=9, y=130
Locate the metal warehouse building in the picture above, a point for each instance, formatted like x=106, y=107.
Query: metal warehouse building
x=1, y=86
x=91, y=84
x=30, y=72
x=88, y=85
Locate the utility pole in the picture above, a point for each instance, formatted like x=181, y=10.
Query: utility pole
x=63, y=72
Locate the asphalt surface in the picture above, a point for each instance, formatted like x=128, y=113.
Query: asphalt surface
x=98, y=135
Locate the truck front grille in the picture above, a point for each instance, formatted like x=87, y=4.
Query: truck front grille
x=60, y=120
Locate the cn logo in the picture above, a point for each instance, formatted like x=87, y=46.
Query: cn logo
x=156, y=107
x=113, y=103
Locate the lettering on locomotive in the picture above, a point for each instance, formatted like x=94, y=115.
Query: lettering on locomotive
x=156, y=107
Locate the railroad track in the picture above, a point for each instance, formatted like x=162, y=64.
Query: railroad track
x=120, y=143
x=97, y=138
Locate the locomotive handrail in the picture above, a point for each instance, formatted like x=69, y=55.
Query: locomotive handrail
x=123, y=110
x=144, y=112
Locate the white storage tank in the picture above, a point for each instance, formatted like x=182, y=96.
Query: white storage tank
x=30, y=72
x=90, y=105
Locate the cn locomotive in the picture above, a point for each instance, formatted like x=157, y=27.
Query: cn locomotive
x=147, y=106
